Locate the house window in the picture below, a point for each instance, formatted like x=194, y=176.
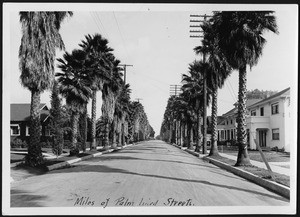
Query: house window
x=231, y=121
x=27, y=131
x=275, y=134
x=262, y=111
x=47, y=131
x=253, y=113
x=15, y=130
x=274, y=108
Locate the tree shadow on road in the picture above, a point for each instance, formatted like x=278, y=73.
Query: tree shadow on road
x=106, y=169
x=20, y=198
x=119, y=157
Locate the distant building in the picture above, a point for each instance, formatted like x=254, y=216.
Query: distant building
x=268, y=121
x=20, y=118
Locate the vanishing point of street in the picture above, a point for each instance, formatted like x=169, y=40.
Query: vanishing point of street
x=152, y=173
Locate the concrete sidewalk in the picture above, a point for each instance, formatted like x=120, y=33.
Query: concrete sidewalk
x=274, y=165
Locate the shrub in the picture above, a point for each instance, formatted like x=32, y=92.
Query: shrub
x=274, y=149
x=74, y=151
x=18, y=143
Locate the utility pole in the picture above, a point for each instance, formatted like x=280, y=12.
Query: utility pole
x=125, y=65
x=204, y=150
x=175, y=89
x=138, y=99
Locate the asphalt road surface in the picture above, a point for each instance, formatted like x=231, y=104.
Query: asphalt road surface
x=151, y=173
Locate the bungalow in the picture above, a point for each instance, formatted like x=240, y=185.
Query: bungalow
x=268, y=121
x=19, y=121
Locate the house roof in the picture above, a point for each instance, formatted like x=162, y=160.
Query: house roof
x=284, y=92
x=21, y=112
x=233, y=111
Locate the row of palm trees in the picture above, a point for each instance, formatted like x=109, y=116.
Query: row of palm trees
x=84, y=72
x=232, y=40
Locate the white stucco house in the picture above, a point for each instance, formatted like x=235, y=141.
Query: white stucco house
x=227, y=122
x=268, y=121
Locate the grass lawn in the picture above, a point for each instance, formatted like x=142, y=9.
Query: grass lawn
x=263, y=173
x=271, y=156
x=16, y=157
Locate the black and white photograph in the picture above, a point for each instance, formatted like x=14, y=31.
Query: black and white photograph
x=149, y=109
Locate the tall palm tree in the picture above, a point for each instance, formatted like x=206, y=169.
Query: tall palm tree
x=110, y=91
x=98, y=52
x=40, y=38
x=75, y=87
x=215, y=77
x=241, y=39
x=193, y=86
x=121, y=113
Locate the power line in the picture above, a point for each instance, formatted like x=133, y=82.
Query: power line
x=99, y=19
x=232, y=90
x=121, y=34
x=95, y=22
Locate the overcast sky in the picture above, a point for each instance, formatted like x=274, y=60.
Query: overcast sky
x=155, y=40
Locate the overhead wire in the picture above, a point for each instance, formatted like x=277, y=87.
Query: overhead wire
x=95, y=22
x=121, y=34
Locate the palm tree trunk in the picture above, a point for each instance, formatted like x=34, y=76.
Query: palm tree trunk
x=93, y=130
x=85, y=129
x=114, y=136
x=204, y=150
x=106, y=135
x=171, y=132
x=185, y=139
x=189, y=134
x=178, y=133
x=75, y=118
x=34, y=156
x=181, y=133
x=243, y=157
x=199, y=133
x=214, y=110
x=123, y=135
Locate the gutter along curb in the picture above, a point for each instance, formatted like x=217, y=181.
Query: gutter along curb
x=70, y=162
x=270, y=185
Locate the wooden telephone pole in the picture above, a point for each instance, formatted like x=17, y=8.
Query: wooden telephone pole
x=125, y=65
x=175, y=89
x=204, y=150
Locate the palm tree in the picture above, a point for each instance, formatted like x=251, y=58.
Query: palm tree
x=240, y=39
x=40, y=38
x=215, y=77
x=122, y=112
x=98, y=52
x=193, y=86
x=75, y=87
x=110, y=92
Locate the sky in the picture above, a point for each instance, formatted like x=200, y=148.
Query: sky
x=155, y=40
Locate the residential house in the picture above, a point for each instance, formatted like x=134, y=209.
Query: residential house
x=227, y=122
x=20, y=118
x=268, y=122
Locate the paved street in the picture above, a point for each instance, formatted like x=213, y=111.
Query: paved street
x=150, y=173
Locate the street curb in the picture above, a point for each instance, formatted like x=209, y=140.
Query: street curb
x=70, y=162
x=270, y=185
